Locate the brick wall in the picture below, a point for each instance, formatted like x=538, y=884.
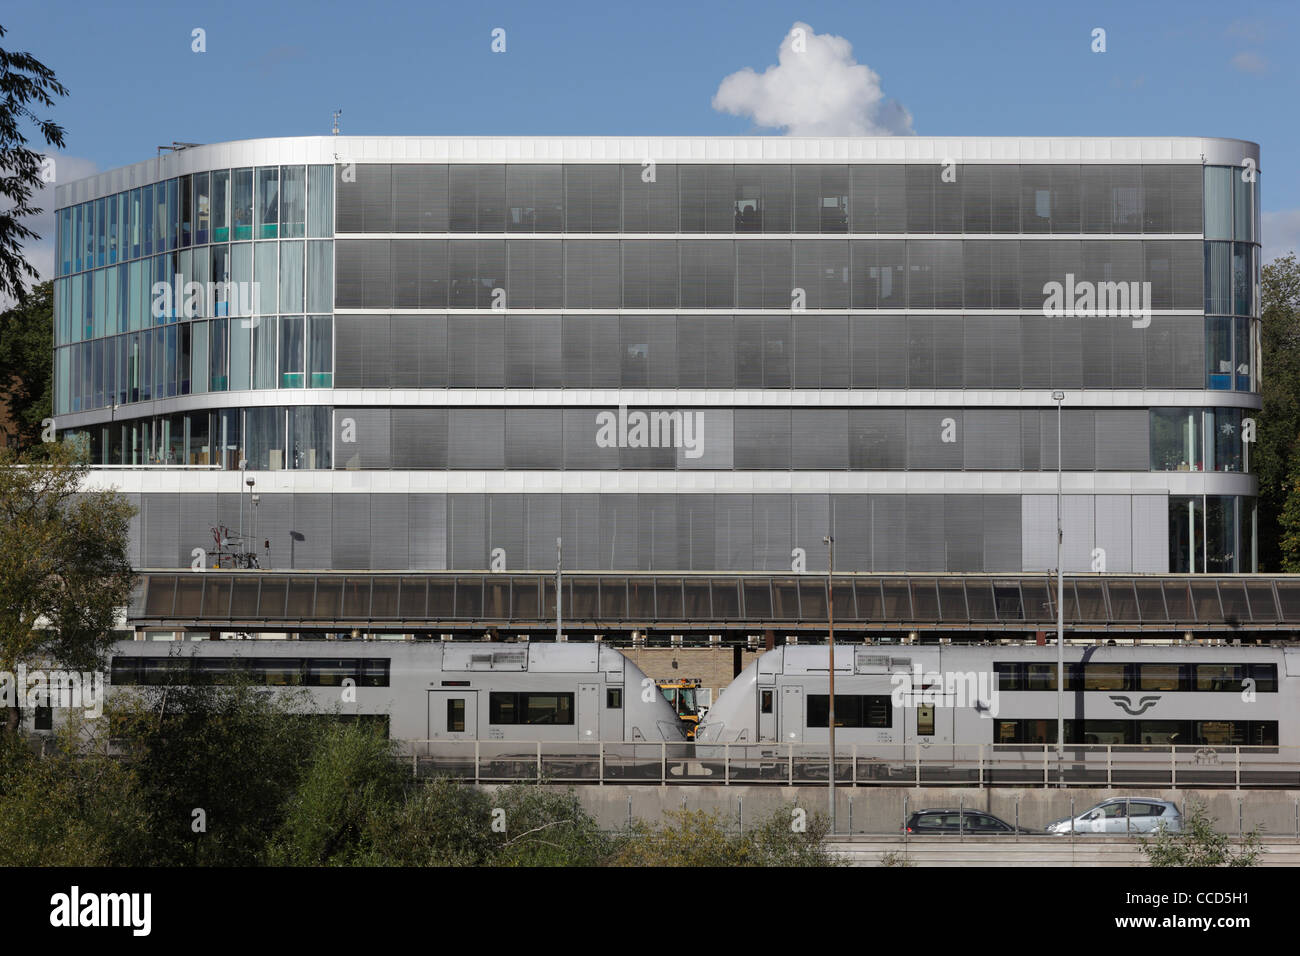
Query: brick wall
x=712, y=665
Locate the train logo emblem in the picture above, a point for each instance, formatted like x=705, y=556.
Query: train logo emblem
x=1143, y=705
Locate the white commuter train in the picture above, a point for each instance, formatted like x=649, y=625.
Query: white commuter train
x=432, y=691
x=980, y=706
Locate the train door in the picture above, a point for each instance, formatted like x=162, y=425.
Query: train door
x=589, y=713
x=931, y=726
x=792, y=716
x=453, y=714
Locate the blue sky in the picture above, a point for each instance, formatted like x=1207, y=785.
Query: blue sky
x=396, y=67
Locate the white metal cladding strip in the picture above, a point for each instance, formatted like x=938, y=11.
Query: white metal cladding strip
x=1150, y=533
x=1114, y=532
x=156, y=479
x=674, y=398
x=682, y=149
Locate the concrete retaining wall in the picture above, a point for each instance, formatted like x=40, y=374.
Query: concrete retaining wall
x=882, y=811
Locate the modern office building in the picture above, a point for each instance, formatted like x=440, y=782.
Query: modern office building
x=676, y=354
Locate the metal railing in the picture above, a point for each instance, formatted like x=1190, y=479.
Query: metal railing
x=874, y=765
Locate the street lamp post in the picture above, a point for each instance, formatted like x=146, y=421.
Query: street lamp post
x=243, y=466
x=1059, y=398
x=830, y=646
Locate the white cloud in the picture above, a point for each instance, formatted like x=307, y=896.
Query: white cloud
x=817, y=88
x=1281, y=231
x=1248, y=62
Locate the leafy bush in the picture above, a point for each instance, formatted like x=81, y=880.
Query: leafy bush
x=1200, y=844
x=696, y=838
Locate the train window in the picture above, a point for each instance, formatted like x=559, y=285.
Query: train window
x=1263, y=733
x=1008, y=732
x=1105, y=677
x=614, y=698
x=1162, y=733
x=374, y=671
x=1159, y=677
x=1265, y=677
x=1106, y=733
x=1219, y=733
x=456, y=715
x=276, y=671
x=851, y=710
x=1041, y=677
x=506, y=707
x=1219, y=677
x=162, y=670
x=765, y=702
x=330, y=672
x=379, y=722
x=501, y=708
x=925, y=721
x=124, y=671
x=1010, y=675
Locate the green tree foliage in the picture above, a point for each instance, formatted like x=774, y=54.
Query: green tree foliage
x=280, y=784
x=74, y=805
x=235, y=753
x=27, y=363
x=26, y=84
x=357, y=805
x=1276, y=454
x=695, y=838
x=64, y=570
x=351, y=786
x=1200, y=844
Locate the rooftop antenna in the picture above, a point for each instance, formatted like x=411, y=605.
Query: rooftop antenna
x=337, y=114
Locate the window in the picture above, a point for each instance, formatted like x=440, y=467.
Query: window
x=268, y=202
x=765, y=705
x=241, y=203
x=293, y=201
x=537, y=708
x=1105, y=677
x=614, y=698
x=1041, y=677
x=1159, y=677
x=456, y=715
x=1176, y=439
x=925, y=721
x=291, y=352
x=1010, y=675
x=851, y=710
x=1225, y=678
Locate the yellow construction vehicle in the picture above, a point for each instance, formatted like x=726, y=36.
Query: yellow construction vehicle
x=683, y=693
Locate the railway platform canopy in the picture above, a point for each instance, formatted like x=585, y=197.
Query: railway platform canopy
x=729, y=608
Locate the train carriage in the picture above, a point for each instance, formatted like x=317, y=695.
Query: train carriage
x=430, y=694
x=943, y=713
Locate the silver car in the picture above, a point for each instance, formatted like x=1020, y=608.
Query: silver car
x=1123, y=815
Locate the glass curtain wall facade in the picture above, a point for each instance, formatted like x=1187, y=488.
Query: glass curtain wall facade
x=695, y=362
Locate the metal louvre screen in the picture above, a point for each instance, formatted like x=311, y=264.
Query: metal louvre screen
x=389, y=526
x=1123, y=442
x=362, y=438
x=1002, y=537
x=991, y=440
x=419, y=438
x=819, y=438
x=427, y=538
x=350, y=531
x=476, y=438
x=534, y=438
